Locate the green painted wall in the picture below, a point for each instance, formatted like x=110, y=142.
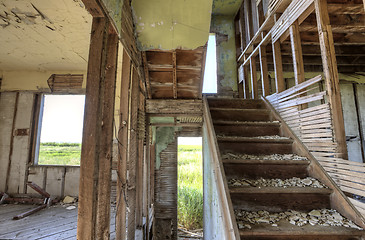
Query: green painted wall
x=171, y=24
x=114, y=8
x=226, y=7
x=223, y=27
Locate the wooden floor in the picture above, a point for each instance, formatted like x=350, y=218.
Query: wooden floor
x=54, y=223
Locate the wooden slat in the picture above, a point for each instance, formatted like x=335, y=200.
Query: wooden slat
x=264, y=71
x=303, y=100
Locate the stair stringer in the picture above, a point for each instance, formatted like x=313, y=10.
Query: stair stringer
x=219, y=219
x=338, y=199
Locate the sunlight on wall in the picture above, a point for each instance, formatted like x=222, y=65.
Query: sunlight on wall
x=210, y=73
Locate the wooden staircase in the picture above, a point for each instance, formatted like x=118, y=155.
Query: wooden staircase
x=247, y=134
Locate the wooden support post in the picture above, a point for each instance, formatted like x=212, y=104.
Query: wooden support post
x=96, y=152
x=278, y=66
x=296, y=47
x=331, y=74
x=174, y=77
x=132, y=153
x=255, y=94
x=248, y=20
x=243, y=28
x=264, y=71
x=120, y=224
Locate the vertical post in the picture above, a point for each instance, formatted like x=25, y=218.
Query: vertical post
x=264, y=71
x=248, y=20
x=297, y=53
x=120, y=224
x=278, y=67
x=255, y=94
x=331, y=74
x=96, y=152
x=246, y=89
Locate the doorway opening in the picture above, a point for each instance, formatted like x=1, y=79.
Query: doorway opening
x=190, y=183
x=210, y=71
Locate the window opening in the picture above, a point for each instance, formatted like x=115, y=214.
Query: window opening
x=60, y=130
x=210, y=72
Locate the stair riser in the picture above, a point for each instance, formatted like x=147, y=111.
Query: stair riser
x=230, y=115
x=279, y=202
x=253, y=171
x=255, y=147
x=246, y=131
x=232, y=103
x=306, y=237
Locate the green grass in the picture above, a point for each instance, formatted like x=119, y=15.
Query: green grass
x=190, y=186
x=51, y=153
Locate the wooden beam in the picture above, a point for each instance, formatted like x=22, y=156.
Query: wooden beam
x=297, y=54
x=331, y=74
x=253, y=71
x=169, y=106
x=242, y=28
x=120, y=223
x=174, y=76
x=278, y=66
x=248, y=20
x=146, y=74
x=94, y=8
x=264, y=71
x=95, y=168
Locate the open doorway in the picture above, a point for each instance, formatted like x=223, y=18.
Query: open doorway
x=210, y=71
x=190, y=185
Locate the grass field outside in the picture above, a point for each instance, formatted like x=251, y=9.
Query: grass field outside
x=190, y=186
x=52, y=153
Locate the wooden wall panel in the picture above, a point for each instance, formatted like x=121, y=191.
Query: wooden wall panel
x=7, y=105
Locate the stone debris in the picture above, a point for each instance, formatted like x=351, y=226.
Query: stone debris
x=69, y=199
x=256, y=137
x=276, y=182
x=71, y=207
x=322, y=217
x=263, y=157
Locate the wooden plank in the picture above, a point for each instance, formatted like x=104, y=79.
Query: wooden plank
x=297, y=53
x=94, y=8
x=93, y=220
x=253, y=71
x=278, y=66
x=174, y=78
x=302, y=100
x=146, y=74
x=331, y=74
x=246, y=88
x=264, y=71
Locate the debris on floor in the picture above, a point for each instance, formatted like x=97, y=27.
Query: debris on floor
x=69, y=199
x=290, y=182
x=323, y=217
x=263, y=157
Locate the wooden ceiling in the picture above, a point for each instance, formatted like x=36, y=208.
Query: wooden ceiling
x=175, y=74
x=347, y=18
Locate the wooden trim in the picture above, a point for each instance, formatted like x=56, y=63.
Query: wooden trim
x=297, y=53
x=278, y=66
x=253, y=71
x=264, y=71
x=331, y=74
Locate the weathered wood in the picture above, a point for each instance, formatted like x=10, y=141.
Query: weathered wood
x=146, y=74
x=95, y=168
x=174, y=75
x=170, y=106
x=122, y=149
x=278, y=66
x=253, y=72
x=66, y=83
x=264, y=71
x=331, y=74
x=94, y=8
x=297, y=53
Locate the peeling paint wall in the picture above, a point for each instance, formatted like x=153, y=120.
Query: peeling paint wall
x=44, y=35
x=223, y=27
x=226, y=7
x=31, y=80
x=114, y=8
x=171, y=24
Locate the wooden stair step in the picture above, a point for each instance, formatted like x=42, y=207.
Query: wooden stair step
x=279, y=190
x=254, y=145
x=240, y=114
x=236, y=103
x=249, y=123
x=247, y=130
x=265, y=161
x=288, y=231
x=253, y=139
